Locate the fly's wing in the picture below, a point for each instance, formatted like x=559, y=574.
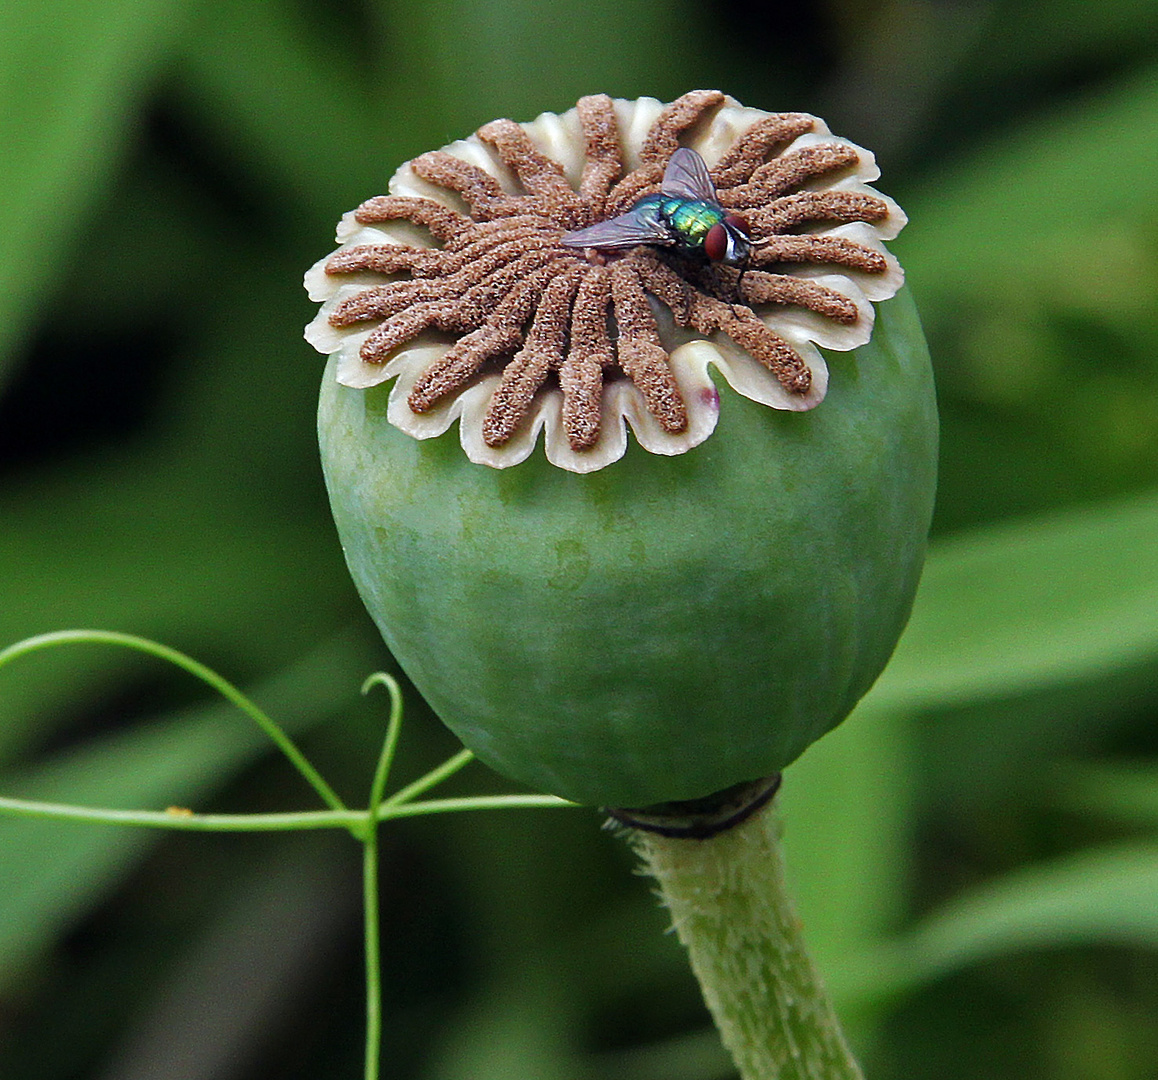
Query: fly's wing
x=687, y=177
x=642, y=224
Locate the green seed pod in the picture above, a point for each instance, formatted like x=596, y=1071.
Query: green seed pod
x=627, y=621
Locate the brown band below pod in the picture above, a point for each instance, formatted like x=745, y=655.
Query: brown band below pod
x=699, y=819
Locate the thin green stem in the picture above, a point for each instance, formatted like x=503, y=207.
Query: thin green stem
x=225, y=688
x=370, y=867
x=182, y=820
x=390, y=743
x=362, y=824
x=390, y=810
x=436, y=776
x=373, y=950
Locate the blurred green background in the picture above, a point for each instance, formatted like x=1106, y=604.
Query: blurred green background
x=976, y=852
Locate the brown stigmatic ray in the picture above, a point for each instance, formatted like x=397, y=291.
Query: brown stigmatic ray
x=604, y=156
x=513, y=297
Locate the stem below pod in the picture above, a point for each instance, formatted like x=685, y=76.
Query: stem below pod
x=729, y=905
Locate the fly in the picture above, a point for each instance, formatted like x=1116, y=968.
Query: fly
x=684, y=215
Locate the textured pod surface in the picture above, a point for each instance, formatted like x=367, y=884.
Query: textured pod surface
x=666, y=627
x=465, y=287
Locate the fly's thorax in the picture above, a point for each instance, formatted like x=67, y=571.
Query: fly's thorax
x=691, y=219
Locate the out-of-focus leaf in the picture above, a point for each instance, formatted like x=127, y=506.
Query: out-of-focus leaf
x=303, y=118
x=524, y=57
x=1034, y=259
x=1104, y=896
x=1126, y=792
x=848, y=857
x=1063, y=205
x=994, y=753
x=520, y=1027
x=848, y=823
x=696, y=1056
x=211, y=534
x=1030, y=606
x=1029, y=36
x=71, y=72
x=1020, y=609
x=51, y=871
x=125, y=548
x=252, y=960
x=1025, y=608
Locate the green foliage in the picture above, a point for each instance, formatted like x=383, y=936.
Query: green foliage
x=982, y=831
x=72, y=76
x=1007, y=616
x=51, y=876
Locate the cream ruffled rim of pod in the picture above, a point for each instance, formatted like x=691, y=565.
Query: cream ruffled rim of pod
x=691, y=354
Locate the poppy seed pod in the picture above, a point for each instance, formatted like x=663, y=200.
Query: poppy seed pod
x=628, y=619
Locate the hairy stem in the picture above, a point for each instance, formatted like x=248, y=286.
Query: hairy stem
x=731, y=910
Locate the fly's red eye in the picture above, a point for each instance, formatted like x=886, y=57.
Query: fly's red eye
x=716, y=242
x=740, y=224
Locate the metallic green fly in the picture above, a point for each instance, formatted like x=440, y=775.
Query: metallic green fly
x=685, y=215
